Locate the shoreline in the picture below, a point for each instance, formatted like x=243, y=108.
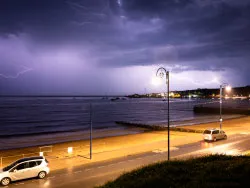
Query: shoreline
x=127, y=131
x=18, y=142
x=119, y=146
x=76, y=136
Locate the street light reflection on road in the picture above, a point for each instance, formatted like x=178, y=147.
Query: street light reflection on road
x=205, y=145
x=47, y=183
x=225, y=149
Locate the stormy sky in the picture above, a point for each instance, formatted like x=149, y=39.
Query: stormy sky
x=105, y=47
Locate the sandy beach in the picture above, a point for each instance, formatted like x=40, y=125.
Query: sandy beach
x=118, y=146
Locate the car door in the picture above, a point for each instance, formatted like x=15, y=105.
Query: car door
x=216, y=134
x=19, y=171
x=222, y=134
x=33, y=168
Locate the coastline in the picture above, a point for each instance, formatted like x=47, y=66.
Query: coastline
x=123, y=145
x=16, y=142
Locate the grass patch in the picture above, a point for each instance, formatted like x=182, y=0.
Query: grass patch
x=209, y=171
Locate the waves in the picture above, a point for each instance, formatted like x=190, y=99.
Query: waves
x=36, y=116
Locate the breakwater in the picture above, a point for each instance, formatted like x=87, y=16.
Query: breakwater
x=157, y=127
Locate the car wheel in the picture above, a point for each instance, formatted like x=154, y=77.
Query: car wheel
x=225, y=137
x=42, y=175
x=214, y=140
x=5, y=181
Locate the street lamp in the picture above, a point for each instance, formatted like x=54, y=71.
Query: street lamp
x=161, y=72
x=90, y=131
x=228, y=88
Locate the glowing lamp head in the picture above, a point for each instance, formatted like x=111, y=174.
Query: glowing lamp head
x=156, y=81
x=228, y=88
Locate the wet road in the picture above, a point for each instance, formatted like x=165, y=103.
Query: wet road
x=98, y=173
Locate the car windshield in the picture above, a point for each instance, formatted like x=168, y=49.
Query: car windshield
x=207, y=132
x=10, y=166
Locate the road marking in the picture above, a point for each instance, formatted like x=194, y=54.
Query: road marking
x=162, y=150
x=63, y=175
x=157, y=151
x=130, y=160
x=19, y=184
x=111, y=164
x=51, y=177
x=100, y=166
x=154, y=155
x=120, y=162
x=87, y=169
x=77, y=172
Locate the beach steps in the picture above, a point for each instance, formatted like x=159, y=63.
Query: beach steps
x=157, y=127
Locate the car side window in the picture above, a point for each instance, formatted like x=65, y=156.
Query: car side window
x=22, y=166
x=32, y=164
x=38, y=162
x=207, y=132
x=216, y=132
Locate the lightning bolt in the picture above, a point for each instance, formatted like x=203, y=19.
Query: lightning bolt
x=26, y=69
x=215, y=80
x=89, y=14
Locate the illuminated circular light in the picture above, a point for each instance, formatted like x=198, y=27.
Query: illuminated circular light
x=156, y=81
x=228, y=88
x=70, y=150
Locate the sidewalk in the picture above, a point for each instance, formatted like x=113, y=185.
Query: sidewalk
x=126, y=146
x=108, y=148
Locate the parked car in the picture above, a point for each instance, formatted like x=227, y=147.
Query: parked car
x=214, y=134
x=23, y=169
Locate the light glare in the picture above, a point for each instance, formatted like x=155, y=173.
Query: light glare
x=228, y=88
x=156, y=81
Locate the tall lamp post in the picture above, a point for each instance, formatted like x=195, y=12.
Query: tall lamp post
x=90, y=131
x=228, y=88
x=161, y=72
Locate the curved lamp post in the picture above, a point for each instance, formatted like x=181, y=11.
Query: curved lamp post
x=228, y=88
x=161, y=72
x=90, y=131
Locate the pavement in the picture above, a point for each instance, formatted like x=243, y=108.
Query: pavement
x=107, y=148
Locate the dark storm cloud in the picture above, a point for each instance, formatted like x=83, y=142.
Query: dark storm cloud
x=215, y=29
x=183, y=35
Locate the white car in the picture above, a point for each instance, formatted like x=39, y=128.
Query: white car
x=23, y=169
x=214, y=134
